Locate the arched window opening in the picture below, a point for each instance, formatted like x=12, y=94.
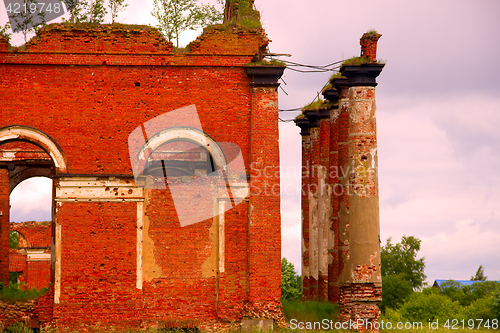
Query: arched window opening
x=28, y=157
x=30, y=227
x=180, y=158
x=31, y=200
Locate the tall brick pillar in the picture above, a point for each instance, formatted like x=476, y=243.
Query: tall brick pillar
x=334, y=189
x=265, y=220
x=313, y=196
x=4, y=225
x=303, y=123
x=324, y=207
x=340, y=196
x=360, y=279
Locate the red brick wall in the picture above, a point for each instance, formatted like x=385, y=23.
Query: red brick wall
x=179, y=253
x=17, y=261
x=33, y=273
x=107, y=95
x=4, y=225
x=265, y=222
x=88, y=90
x=353, y=309
x=38, y=274
x=37, y=234
x=98, y=279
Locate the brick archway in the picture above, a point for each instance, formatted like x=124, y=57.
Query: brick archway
x=44, y=157
x=39, y=138
x=188, y=134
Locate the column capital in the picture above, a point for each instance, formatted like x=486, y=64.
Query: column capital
x=361, y=75
x=303, y=124
x=264, y=76
x=331, y=94
x=312, y=116
x=339, y=83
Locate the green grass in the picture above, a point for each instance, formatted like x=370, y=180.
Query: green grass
x=309, y=311
x=272, y=62
x=299, y=311
x=314, y=105
x=13, y=293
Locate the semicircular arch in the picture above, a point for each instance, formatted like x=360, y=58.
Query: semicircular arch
x=189, y=134
x=36, y=137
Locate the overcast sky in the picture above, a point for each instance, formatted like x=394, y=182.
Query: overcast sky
x=438, y=117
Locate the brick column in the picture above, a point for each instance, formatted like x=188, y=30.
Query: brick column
x=312, y=195
x=4, y=225
x=265, y=219
x=335, y=190
x=303, y=123
x=323, y=203
x=342, y=188
x=361, y=280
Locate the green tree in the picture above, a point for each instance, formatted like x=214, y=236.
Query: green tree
x=75, y=8
x=4, y=29
x=13, y=240
x=90, y=11
x=479, y=275
x=396, y=290
x=115, y=6
x=479, y=309
x=401, y=259
x=496, y=304
x=176, y=16
x=27, y=18
x=95, y=11
x=291, y=284
x=423, y=306
x=468, y=294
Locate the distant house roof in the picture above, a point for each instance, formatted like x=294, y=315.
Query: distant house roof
x=438, y=283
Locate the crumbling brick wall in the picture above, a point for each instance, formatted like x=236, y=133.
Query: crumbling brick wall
x=32, y=259
x=36, y=234
x=120, y=256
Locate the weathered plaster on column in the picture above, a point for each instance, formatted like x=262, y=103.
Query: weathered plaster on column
x=140, y=226
x=323, y=228
x=57, y=263
x=363, y=183
x=151, y=270
x=313, y=236
x=221, y=236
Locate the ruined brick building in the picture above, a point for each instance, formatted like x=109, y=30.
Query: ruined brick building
x=31, y=260
x=88, y=107
x=340, y=201
x=161, y=214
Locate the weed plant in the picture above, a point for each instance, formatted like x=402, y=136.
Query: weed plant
x=14, y=293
